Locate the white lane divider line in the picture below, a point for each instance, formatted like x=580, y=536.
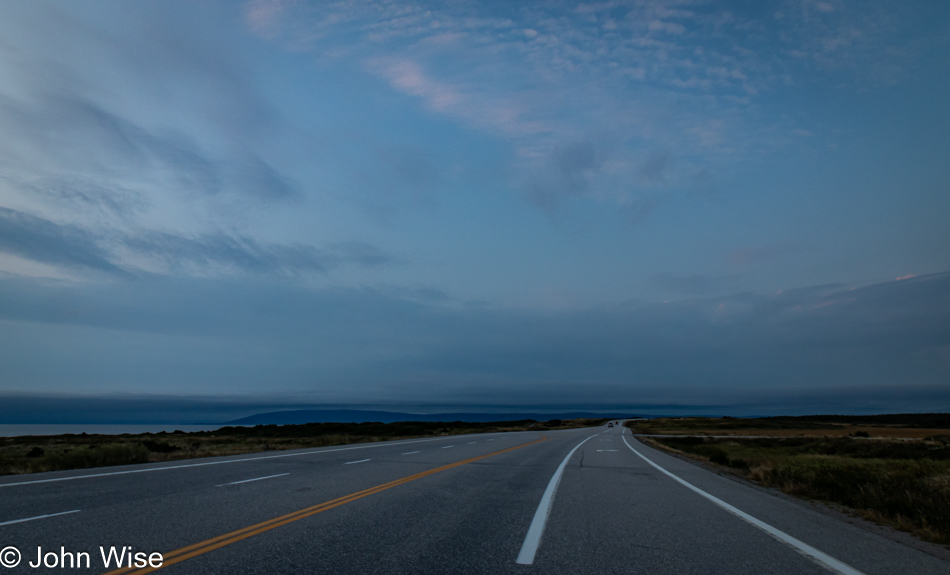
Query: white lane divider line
x=599, y=450
x=490, y=439
x=472, y=442
x=241, y=460
x=360, y=461
x=447, y=446
x=39, y=517
x=823, y=559
x=533, y=539
x=411, y=452
x=250, y=480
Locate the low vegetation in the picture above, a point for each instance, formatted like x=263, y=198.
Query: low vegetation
x=915, y=425
x=31, y=454
x=884, y=470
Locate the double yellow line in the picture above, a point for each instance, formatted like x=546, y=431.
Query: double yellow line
x=190, y=551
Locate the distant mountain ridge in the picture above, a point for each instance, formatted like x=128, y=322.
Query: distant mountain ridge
x=301, y=416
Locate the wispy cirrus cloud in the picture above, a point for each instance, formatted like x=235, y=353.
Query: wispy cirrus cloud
x=130, y=122
x=81, y=139
x=38, y=239
x=125, y=254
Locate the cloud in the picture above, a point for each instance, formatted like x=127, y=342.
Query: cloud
x=691, y=284
x=542, y=51
x=230, y=334
x=469, y=101
x=667, y=27
x=408, y=77
x=124, y=253
x=126, y=117
x=45, y=241
x=567, y=173
x=92, y=144
x=257, y=177
x=82, y=194
x=872, y=43
x=634, y=76
x=263, y=16
x=208, y=251
x=749, y=256
x=654, y=169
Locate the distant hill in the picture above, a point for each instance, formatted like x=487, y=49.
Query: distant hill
x=359, y=416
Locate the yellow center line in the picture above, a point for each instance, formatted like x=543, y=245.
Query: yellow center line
x=179, y=555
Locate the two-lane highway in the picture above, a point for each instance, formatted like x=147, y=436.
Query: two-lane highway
x=578, y=501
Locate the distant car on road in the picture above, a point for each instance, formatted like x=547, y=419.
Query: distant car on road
x=611, y=424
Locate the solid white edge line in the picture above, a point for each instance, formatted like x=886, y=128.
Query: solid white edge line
x=533, y=539
x=255, y=479
x=360, y=461
x=805, y=549
x=40, y=517
x=149, y=469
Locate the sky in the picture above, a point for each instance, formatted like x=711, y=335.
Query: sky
x=562, y=204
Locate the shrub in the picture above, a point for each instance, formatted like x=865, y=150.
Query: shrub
x=903, y=483
x=739, y=463
x=718, y=456
x=158, y=446
x=98, y=456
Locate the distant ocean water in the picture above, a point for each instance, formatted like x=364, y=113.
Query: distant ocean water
x=14, y=430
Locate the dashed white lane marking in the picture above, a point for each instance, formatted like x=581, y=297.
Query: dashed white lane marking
x=241, y=460
x=823, y=559
x=410, y=452
x=40, y=517
x=352, y=462
x=531, y=541
x=255, y=479
x=606, y=450
x=472, y=442
x=447, y=446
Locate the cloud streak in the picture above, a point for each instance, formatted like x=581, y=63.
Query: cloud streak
x=375, y=341
x=42, y=240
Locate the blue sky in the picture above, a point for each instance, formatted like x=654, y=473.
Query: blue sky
x=478, y=203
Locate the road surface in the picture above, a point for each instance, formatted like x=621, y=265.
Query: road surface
x=488, y=503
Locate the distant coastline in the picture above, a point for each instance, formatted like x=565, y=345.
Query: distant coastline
x=20, y=429
x=302, y=416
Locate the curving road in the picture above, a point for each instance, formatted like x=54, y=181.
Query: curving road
x=578, y=501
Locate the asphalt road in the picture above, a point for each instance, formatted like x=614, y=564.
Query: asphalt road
x=462, y=504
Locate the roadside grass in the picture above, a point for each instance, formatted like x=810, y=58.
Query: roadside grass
x=904, y=483
x=33, y=454
x=898, y=425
